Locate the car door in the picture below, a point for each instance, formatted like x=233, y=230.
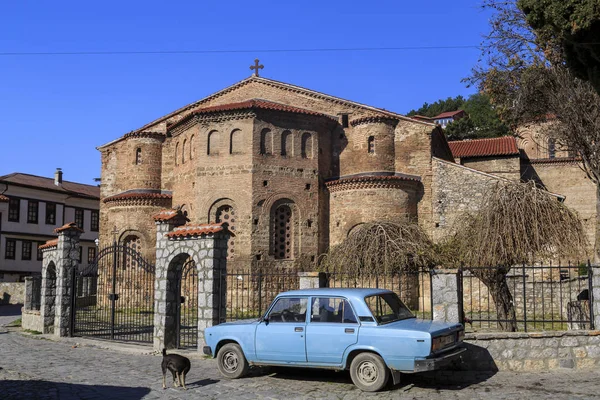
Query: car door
x=281, y=336
x=332, y=328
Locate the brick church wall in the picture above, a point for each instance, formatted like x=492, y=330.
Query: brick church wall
x=565, y=177
x=505, y=166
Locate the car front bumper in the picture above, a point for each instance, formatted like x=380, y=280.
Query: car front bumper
x=429, y=364
x=207, y=350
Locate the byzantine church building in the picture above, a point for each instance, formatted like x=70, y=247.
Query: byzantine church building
x=290, y=170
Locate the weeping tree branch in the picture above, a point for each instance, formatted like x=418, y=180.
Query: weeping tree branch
x=378, y=248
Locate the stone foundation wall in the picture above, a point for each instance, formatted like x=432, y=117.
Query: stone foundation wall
x=32, y=320
x=531, y=351
x=12, y=293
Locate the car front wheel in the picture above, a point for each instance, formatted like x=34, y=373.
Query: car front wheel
x=368, y=372
x=231, y=361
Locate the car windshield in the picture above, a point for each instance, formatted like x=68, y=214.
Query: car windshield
x=387, y=307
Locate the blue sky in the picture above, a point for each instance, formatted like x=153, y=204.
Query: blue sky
x=56, y=109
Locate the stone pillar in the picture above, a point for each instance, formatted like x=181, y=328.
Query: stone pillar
x=595, y=296
x=161, y=318
x=29, y=295
x=67, y=259
x=212, y=290
x=312, y=280
x=444, y=286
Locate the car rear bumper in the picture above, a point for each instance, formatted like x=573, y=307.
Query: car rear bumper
x=207, y=350
x=429, y=364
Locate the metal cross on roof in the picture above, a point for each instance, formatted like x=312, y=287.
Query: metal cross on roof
x=256, y=67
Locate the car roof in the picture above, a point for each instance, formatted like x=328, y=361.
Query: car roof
x=346, y=292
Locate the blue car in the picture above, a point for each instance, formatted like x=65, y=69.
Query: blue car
x=368, y=331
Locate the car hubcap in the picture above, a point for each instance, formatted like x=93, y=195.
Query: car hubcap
x=367, y=372
x=230, y=361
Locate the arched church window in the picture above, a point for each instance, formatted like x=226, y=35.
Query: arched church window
x=235, y=143
x=371, y=144
x=282, y=233
x=551, y=148
x=176, y=153
x=192, y=150
x=286, y=143
x=183, y=152
x=266, y=142
x=226, y=213
x=306, y=145
x=213, y=143
x=138, y=156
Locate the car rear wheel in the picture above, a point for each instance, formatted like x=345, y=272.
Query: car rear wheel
x=368, y=372
x=231, y=361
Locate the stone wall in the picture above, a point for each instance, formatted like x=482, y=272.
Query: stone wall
x=32, y=320
x=531, y=351
x=456, y=189
x=505, y=166
x=12, y=292
x=446, y=306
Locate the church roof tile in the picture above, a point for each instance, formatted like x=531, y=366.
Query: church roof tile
x=502, y=146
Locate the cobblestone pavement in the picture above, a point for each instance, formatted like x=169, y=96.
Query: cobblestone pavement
x=36, y=368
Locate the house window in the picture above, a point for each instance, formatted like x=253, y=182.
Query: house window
x=79, y=257
x=11, y=246
x=91, y=255
x=51, y=213
x=40, y=253
x=32, y=212
x=14, y=208
x=95, y=221
x=371, y=145
x=282, y=234
x=25, y=250
x=79, y=218
x=226, y=213
x=138, y=156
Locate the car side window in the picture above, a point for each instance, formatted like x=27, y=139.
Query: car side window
x=289, y=309
x=331, y=309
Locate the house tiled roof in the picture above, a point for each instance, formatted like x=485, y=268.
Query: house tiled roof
x=196, y=230
x=49, y=244
x=165, y=215
x=502, y=146
x=70, y=225
x=42, y=183
x=448, y=114
x=3, y=198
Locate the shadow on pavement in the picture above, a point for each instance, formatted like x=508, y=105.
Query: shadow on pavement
x=9, y=310
x=35, y=389
x=475, y=367
x=201, y=383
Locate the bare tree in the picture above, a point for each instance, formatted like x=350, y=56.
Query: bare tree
x=381, y=248
x=515, y=223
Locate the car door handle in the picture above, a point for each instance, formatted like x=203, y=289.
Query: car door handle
x=349, y=330
x=298, y=329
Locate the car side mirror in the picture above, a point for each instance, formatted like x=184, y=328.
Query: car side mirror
x=265, y=320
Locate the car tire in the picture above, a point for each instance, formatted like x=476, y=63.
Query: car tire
x=231, y=361
x=368, y=372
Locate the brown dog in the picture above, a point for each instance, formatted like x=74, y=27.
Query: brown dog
x=179, y=367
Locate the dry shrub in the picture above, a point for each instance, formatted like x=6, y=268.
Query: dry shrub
x=377, y=248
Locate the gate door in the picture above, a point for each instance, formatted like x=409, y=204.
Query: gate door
x=114, y=297
x=188, y=306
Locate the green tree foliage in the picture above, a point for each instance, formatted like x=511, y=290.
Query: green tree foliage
x=482, y=120
x=574, y=25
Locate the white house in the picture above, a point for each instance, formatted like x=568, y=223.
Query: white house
x=31, y=207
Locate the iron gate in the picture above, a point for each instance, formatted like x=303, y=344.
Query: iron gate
x=113, y=298
x=187, y=318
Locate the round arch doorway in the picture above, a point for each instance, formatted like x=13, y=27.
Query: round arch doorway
x=187, y=310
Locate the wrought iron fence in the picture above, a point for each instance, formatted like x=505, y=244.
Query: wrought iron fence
x=33, y=292
x=247, y=292
x=412, y=286
x=544, y=297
